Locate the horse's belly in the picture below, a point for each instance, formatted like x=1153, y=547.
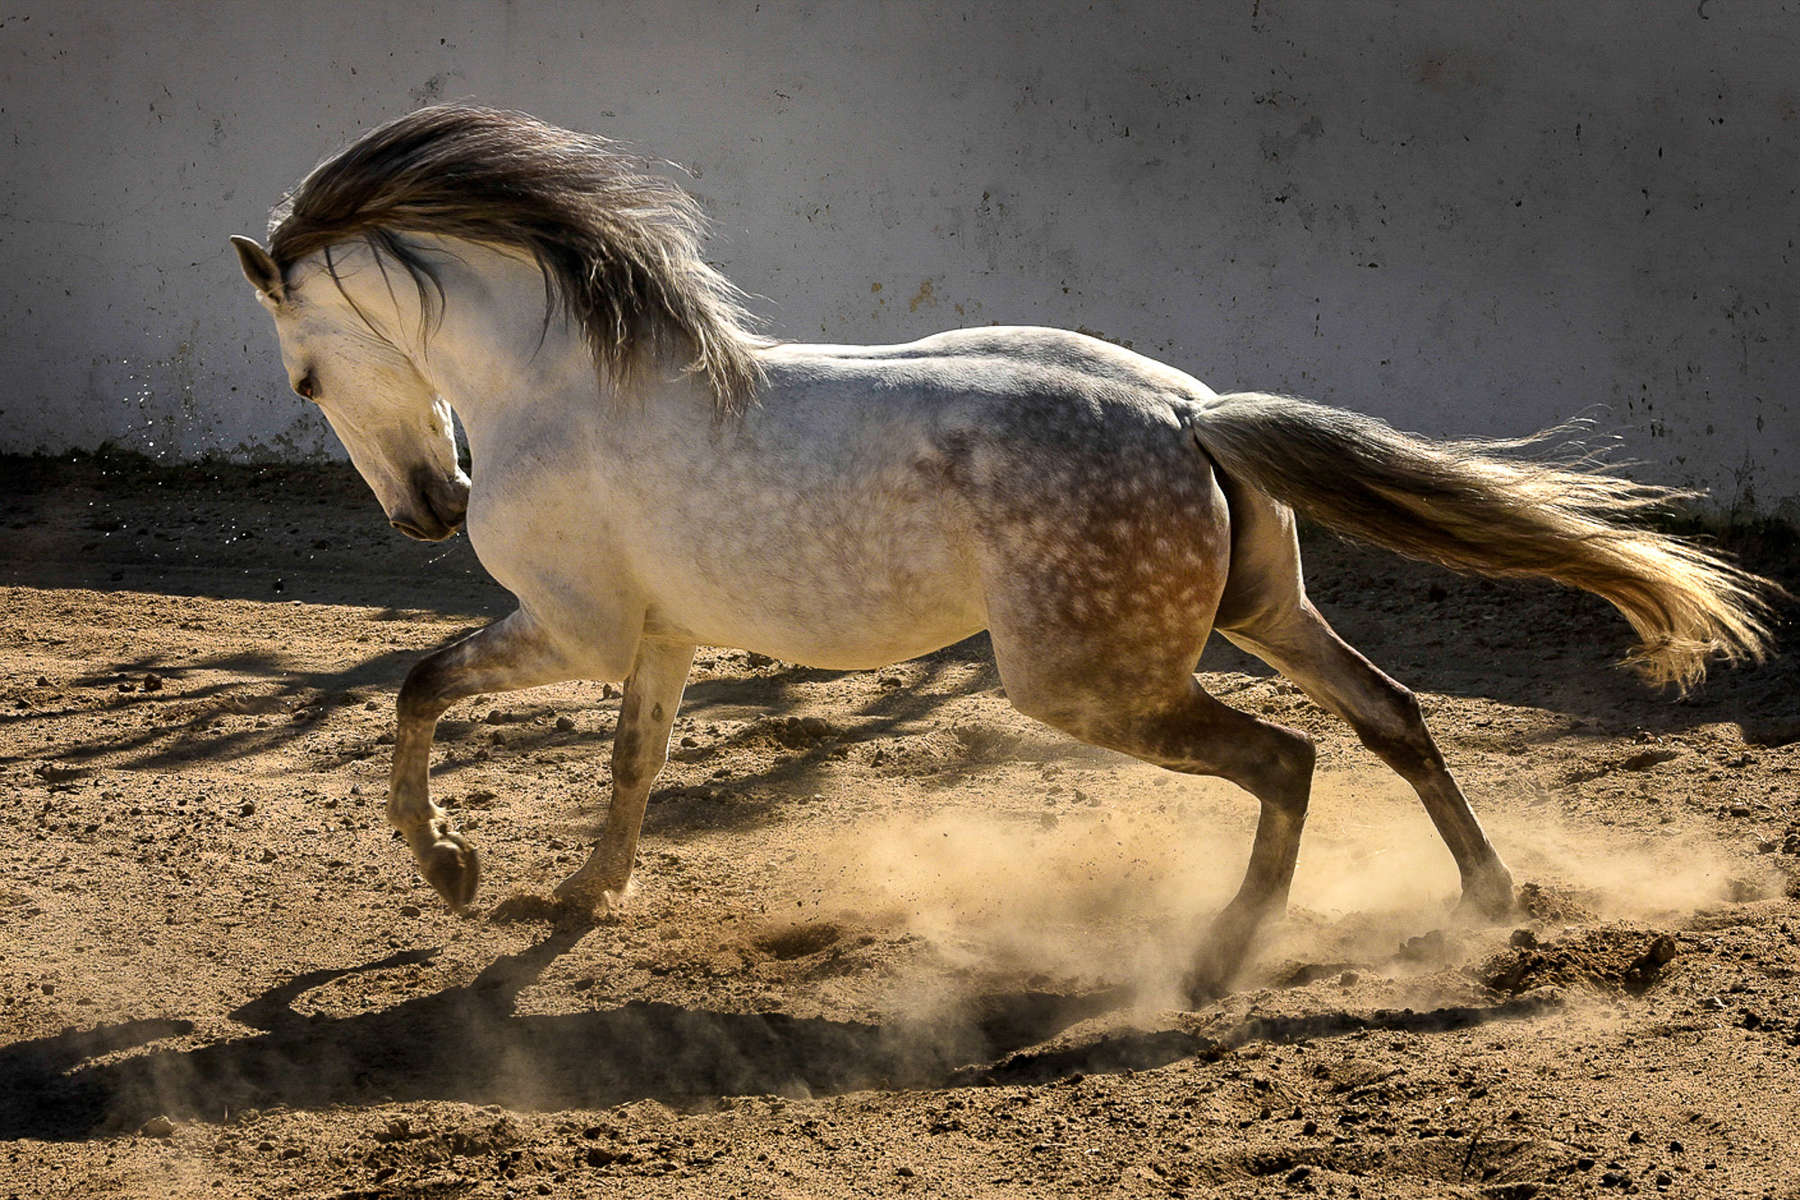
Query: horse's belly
x=827, y=608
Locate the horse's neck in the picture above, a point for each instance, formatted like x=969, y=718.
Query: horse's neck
x=491, y=354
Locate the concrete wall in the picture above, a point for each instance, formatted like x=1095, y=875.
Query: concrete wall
x=1466, y=217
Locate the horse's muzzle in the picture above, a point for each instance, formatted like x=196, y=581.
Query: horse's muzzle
x=438, y=508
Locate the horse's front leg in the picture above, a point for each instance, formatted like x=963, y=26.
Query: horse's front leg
x=640, y=748
x=511, y=653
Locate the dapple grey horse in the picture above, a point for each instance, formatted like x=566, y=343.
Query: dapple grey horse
x=650, y=476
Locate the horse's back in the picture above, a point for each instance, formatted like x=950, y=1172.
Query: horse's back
x=1004, y=363
x=1067, y=464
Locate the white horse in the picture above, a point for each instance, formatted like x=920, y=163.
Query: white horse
x=649, y=476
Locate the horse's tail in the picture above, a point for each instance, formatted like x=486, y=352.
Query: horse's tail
x=1467, y=506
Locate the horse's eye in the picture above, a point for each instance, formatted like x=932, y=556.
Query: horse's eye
x=308, y=387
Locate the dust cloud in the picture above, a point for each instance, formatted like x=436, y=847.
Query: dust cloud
x=1119, y=896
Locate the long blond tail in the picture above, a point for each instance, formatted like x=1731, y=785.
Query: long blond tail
x=1466, y=506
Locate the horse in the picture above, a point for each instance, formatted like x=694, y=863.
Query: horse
x=650, y=475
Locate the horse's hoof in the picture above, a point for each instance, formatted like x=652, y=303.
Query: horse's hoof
x=452, y=867
x=595, y=899
x=1202, y=987
x=1488, y=899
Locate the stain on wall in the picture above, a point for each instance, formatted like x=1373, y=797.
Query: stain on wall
x=1464, y=218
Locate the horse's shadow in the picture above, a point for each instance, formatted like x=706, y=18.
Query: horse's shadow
x=466, y=1043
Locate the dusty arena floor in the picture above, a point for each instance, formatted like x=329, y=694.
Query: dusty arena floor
x=890, y=938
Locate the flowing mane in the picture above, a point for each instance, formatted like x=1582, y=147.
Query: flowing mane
x=619, y=248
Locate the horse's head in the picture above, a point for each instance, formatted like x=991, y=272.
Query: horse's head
x=397, y=429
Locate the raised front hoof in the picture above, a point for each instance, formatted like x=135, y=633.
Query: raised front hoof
x=1489, y=899
x=451, y=866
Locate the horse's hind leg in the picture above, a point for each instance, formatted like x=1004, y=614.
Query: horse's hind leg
x=1265, y=611
x=640, y=748
x=1166, y=719
x=507, y=655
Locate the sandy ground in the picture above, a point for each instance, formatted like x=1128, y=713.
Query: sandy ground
x=890, y=937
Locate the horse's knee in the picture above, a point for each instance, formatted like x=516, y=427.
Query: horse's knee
x=637, y=770
x=420, y=697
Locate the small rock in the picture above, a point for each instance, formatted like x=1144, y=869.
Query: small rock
x=153, y=682
x=158, y=1127
x=904, y=1172
x=1739, y=810
x=265, y=855
x=1525, y=939
x=689, y=742
x=564, y=724
x=1636, y=1138
x=1643, y=760
x=410, y=910
x=495, y=717
x=608, y=691
x=247, y=808
x=1347, y=979
x=43, y=681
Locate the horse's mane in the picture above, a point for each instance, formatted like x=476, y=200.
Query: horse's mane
x=619, y=248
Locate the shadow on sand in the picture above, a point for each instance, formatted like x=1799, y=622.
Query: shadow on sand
x=466, y=1043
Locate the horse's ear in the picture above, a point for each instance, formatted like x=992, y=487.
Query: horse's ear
x=259, y=268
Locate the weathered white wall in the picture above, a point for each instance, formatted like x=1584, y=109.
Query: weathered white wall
x=1464, y=217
